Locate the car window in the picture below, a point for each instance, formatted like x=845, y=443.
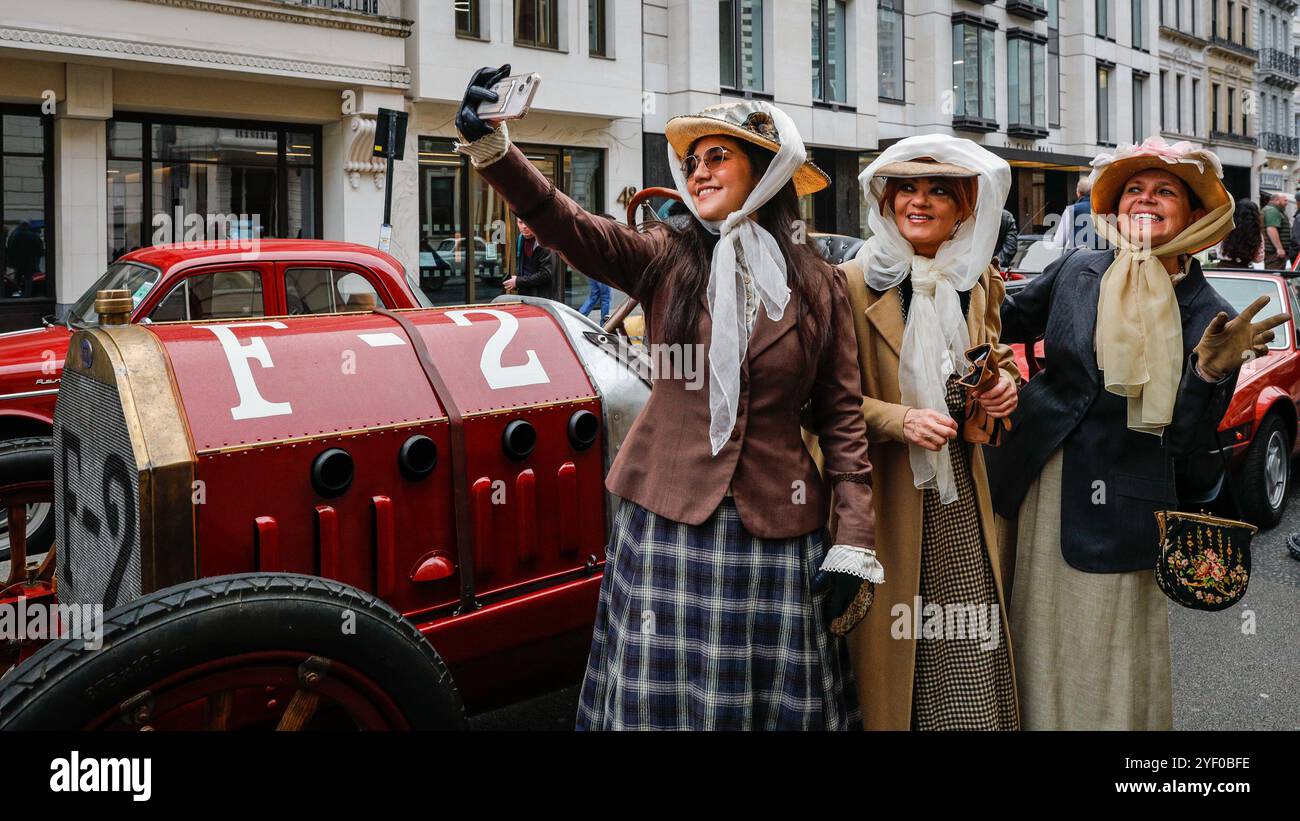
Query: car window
x=134, y=277
x=328, y=291
x=218, y=295
x=1240, y=292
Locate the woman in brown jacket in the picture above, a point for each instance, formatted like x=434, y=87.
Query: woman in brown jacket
x=932, y=650
x=707, y=619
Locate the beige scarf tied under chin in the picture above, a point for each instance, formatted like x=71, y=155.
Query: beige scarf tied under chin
x=1139, y=328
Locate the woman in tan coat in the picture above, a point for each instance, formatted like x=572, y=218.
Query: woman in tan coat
x=932, y=651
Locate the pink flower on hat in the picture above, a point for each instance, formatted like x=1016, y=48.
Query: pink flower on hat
x=1181, y=151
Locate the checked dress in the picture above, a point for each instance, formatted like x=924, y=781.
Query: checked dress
x=706, y=627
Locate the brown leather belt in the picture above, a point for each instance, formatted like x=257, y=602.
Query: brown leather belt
x=459, y=462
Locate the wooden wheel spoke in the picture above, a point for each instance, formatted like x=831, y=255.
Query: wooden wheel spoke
x=17, y=542
x=300, y=710
x=220, y=706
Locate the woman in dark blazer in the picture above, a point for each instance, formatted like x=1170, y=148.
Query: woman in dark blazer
x=1141, y=363
x=707, y=618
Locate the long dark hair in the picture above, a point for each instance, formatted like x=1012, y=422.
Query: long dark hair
x=1242, y=242
x=679, y=275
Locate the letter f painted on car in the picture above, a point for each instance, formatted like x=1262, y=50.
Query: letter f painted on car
x=251, y=404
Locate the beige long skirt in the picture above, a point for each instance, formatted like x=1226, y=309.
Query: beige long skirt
x=1091, y=649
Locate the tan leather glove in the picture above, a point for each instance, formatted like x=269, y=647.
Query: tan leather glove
x=1226, y=342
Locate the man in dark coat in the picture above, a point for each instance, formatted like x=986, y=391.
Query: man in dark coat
x=534, y=266
x=1008, y=240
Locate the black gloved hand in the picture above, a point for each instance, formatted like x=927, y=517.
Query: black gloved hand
x=848, y=598
x=468, y=123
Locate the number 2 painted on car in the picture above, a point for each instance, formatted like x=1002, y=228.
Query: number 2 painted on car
x=497, y=375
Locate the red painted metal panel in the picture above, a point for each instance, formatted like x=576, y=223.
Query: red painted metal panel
x=268, y=544
x=526, y=493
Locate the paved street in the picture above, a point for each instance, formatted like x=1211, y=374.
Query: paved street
x=1224, y=679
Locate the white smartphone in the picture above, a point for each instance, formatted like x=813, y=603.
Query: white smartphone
x=514, y=97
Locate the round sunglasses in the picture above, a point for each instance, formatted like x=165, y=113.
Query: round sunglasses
x=712, y=158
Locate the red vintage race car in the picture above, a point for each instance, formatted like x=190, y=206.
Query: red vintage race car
x=195, y=281
x=377, y=520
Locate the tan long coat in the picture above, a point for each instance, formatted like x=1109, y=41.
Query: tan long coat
x=883, y=665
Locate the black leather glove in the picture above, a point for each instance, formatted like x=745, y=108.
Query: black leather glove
x=468, y=123
x=848, y=599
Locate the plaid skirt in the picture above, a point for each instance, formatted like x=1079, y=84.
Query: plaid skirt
x=706, y=627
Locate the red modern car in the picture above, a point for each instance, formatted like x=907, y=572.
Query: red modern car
x=193, y=281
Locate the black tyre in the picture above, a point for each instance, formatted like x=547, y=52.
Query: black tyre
x=239, y=652
x=28, y=460
x=1264, y=479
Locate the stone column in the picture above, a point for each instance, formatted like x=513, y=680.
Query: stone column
x=80, y=195
x=354, y=181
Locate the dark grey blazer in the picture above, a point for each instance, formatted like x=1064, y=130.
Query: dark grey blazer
x=1113, y=479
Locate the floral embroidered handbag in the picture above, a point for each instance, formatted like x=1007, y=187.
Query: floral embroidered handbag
x=1204, y=560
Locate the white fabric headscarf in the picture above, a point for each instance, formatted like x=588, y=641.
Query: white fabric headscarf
x=935, y=338
x=726, y=289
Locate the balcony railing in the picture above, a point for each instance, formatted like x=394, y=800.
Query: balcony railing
x=1234, y=46
x=1279, y=143
x=1229, y=137
x=1271, y=59
x=375, y=8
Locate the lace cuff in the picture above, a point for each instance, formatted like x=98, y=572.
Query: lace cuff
x=487, y=149
x=856, y=561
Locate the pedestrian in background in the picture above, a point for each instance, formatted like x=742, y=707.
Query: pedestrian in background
x=534, y=266
x=1243, y=247
x=1277, y=233
x=1008, y=241
x=1076, y=229
x=598, y=294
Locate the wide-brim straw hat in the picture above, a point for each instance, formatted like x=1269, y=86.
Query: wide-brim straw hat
x=924, y=167
x=746, y=120
x=1199, y=168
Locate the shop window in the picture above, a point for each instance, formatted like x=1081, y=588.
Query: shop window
x=187, y=180
x=468, y=235
x=26, y=194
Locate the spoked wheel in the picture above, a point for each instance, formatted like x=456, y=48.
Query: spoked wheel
x=26, y=496
x=281, y=691
x=17, y=500
x=252, y=651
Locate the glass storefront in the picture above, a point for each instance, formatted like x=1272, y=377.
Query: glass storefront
x=453, y=197
x=209, y=179
x=26, y=193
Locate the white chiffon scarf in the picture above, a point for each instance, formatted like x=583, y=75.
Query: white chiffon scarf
x=726, y=289
x=935, y=337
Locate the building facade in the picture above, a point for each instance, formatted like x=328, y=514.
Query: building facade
x=583, y=131
x=1277, y=75
x=815, y=60
x=1183, y=86
x=132, y=122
